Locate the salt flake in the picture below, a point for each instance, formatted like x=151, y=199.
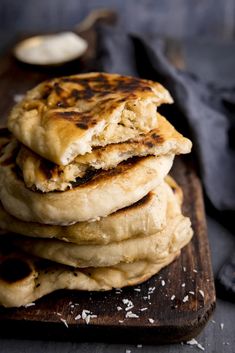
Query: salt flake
x=131, y=315
x=185, y=299
x=193, y=342
x=29, y=304
x=201, y=292
x=64, y=322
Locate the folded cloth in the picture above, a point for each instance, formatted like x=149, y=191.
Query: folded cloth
x=205, y=109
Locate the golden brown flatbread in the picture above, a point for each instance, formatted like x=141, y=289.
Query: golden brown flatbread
x=98, y=194
x=146, y=247
x=41, y=174
x=68, y=116
x=146, y=216
x=25, y=278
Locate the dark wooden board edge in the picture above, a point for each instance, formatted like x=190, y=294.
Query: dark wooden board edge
x=184, y=329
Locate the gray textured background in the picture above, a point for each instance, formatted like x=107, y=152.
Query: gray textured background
x=214, y=19
x=211, y=18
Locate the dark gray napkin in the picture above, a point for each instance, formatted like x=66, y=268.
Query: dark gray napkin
x=204, y=112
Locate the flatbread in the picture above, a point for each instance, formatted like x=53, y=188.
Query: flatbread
x=40, y=174
x=148, y=247
x=68, y=116
x=24, y=278
x=146, y=216
x=176, y=189
x=99, y=194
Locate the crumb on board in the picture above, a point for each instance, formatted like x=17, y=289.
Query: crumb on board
x=86, y=315
x=185, y=299
x=194, y=342
x=131, y=315
x=29, y=304
x=64, y=322
x=202, y=293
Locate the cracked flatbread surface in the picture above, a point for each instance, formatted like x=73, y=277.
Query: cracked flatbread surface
x=68, y=116
x=41, y=174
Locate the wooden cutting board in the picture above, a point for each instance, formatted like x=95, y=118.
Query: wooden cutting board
x=173, y=306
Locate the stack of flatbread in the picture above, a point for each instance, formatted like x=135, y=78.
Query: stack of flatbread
x=85, y=196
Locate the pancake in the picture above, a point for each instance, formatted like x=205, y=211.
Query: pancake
x=68, y=116
x=146, y=216
x=148, y=247
x=40, y=174
x=24, y=278
x=96, y=195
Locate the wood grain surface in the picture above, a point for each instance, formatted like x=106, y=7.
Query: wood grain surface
x=173, y=320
